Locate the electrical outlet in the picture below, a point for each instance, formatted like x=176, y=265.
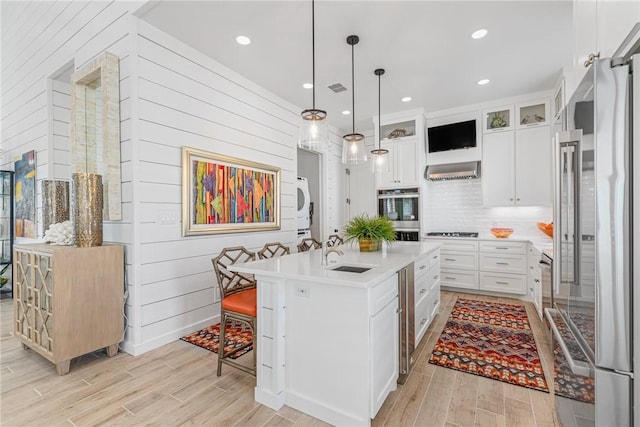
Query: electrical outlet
x=303, y=291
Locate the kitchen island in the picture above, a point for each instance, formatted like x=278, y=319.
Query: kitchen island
x=327, y=340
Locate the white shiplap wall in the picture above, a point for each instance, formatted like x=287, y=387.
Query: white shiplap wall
x=40, y=41
x=170, y=96
x=188, y=99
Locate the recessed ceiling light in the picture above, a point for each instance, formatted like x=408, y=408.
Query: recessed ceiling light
x=307, y=85
x=243, y=40
x=478, y=34
x=483, y=82
x=406, y=99
x=346, y=112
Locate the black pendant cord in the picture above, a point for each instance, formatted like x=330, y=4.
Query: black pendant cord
x=379, y=151
x=379, y=109
x=353, y=92
x=313, y=50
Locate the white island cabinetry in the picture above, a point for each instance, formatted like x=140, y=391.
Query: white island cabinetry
x=427, y=292
x=327, y=341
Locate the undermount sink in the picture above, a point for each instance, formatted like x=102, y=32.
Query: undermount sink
x=351, y=268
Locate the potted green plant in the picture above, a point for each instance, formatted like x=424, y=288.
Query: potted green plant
x=369, y=232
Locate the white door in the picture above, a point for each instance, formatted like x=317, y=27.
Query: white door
x=498, y=186
x=361, y=192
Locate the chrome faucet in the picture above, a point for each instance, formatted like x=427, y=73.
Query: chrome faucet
x=325, y=254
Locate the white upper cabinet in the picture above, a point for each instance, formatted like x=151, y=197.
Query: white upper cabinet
x=498, y=119
x=498, y=169
x=599, y=28
x=533, y=167
x=532, y=114
x=516, y=168
x=403, y=161
x=403, y=135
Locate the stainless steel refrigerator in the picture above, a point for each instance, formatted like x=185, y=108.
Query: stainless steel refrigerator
x=595, y=218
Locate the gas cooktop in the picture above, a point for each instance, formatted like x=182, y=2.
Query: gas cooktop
x=453, y=234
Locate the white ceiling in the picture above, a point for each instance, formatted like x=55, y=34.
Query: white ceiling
x=425, y=47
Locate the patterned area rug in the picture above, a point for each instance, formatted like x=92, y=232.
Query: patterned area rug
x=236, y=336
x=493, y=340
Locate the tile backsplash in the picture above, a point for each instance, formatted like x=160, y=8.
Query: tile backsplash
x=457, y=206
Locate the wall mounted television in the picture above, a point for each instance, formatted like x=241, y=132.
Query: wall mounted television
x=452, y=136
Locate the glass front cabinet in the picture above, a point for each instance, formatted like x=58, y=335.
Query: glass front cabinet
x=6, y=230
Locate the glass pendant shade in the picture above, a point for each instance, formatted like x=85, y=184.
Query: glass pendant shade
x=314, y=132
x=353, y=150
x=380, y=161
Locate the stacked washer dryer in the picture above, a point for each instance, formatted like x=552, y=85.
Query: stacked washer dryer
x=304, y=203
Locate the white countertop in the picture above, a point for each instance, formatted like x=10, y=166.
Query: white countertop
x=540, y=242
x=307, y=265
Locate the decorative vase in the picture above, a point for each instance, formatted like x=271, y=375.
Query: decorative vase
x=87, y=209
x=369, y=245
x=55, y=202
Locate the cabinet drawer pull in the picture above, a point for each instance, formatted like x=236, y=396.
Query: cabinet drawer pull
x=502, y=263
x=502, y=283
x=449, y=259
x=450, y=278
x=423, y=321
x=422, y=267
x=497, y=247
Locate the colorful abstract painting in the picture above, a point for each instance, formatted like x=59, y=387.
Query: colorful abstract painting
x=25, y=195
x=224, y=194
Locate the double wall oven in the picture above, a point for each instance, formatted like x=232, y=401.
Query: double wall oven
x=402, y=207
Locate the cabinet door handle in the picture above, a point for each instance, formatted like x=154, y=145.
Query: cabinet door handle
x=436, y=302
x=423, y=267
x=435, y=257
x=422, y=291
x=435, y=277
x=423, y=321
x=536, y=280
x=511, y=199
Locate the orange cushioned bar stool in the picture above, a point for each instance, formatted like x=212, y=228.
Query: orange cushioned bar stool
x=238, y=292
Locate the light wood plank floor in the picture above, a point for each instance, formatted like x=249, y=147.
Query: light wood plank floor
x=177, y=385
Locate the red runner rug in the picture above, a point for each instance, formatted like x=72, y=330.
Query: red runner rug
x=493, y=340
x=209, y=338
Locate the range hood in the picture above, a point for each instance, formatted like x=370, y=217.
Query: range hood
x=466, y=170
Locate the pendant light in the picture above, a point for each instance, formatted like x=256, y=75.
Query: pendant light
x=353, y=149
x=380, y=160
x=314, y=133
